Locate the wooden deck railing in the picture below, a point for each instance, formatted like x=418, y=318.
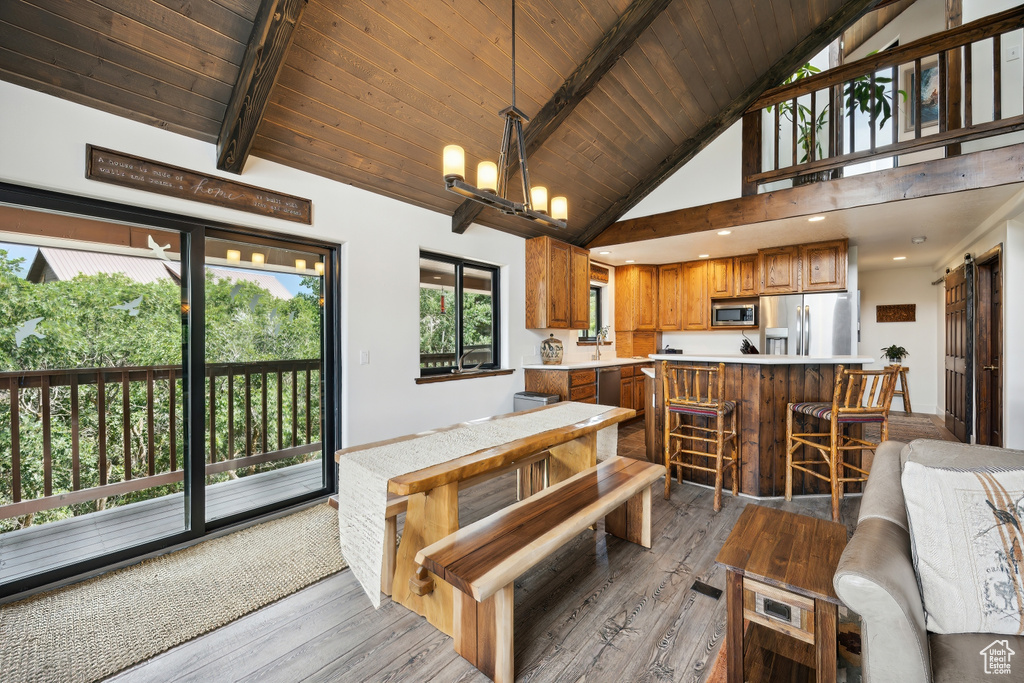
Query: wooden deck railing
x=242, y=414
x=823, y=143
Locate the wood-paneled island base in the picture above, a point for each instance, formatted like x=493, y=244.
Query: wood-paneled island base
x=763, y=386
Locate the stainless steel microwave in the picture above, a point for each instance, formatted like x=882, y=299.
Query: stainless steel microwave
x=726, y=314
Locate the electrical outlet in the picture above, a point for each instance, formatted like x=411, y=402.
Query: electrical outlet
x=364, y=357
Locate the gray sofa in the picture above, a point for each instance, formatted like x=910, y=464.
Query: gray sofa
x=876, y=580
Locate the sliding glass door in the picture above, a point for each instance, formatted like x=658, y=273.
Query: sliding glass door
x=264, y=367
x=159, y=378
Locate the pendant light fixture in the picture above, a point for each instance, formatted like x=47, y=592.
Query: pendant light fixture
x=492, y=179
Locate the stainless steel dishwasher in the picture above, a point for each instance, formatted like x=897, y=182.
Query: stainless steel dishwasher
x=609, y=386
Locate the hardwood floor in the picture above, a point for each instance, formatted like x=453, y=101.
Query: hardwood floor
x=601, y=609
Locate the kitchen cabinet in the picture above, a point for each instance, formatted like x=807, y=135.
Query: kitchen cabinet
x=670, y=296
x=696, y=304
x=626, y=392
x=823, y=266
x=779, y=270
x=557, y=285
x=632, y=344
x=816, y=267
x=720, y=277
x=745, y=275
x=636, y=298
x=580, y=385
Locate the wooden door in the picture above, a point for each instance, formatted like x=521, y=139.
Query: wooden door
x=626, y=393
x=823, y=266
x=639, y=393
x=696, y=305
x=958, y=352
x=625, y=298
x=579, y=290
x=559, y=270
x=670, y=297
x=744, y=275
x=720, y=277
x=989, y=343
x=646, y=306
x=779, y=270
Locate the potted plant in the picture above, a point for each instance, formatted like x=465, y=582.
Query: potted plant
x=895, y=354
x=857, y=94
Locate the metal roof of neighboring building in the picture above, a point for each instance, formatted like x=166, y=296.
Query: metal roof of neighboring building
x=64, y=264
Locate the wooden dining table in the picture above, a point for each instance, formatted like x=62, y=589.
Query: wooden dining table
x=433, y=493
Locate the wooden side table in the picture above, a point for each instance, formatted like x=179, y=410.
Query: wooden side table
x=779, y=576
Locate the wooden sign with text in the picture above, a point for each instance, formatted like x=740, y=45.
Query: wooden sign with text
x=118, y=168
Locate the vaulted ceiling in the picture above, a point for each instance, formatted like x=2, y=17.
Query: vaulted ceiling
x=369, y=91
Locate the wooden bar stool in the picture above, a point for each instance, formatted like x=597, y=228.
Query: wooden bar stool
x=904, y=390
x=698, y=390
x=853, y=402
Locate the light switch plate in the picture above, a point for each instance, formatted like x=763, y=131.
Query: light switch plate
x=1014, y=53
x=364, y=357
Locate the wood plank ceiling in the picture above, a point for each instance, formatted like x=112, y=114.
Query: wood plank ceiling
x=371, y=90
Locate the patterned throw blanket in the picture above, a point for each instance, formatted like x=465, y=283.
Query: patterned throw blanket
x=363, y=475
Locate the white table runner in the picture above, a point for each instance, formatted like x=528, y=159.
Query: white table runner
x=363, y=475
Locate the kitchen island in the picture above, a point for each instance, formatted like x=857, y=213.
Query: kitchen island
x=763, y=386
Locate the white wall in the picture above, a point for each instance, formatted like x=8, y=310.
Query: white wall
x=42, y=144
x=714, y=175
x=904, y=286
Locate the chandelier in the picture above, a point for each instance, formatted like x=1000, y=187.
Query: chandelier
x=492, y=179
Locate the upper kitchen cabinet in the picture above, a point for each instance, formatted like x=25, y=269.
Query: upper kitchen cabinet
x=579, y=289
x=823, y=266
x=779, y=270
x=557, y=285
x=636, y=297
x=670, y=296
x=744, y=275
x=720, y=277
x=696, y=304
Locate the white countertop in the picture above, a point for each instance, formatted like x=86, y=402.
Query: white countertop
x=603, y=363
x=765, y=359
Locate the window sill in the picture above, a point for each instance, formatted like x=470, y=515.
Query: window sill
x=590, y=343
x=431, y=379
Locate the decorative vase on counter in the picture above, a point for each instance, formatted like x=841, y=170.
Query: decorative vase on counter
x=551, y=351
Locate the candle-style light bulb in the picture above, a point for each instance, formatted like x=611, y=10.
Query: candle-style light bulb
x=454, y=162
x=319, y=267
x=539, y=198
x=234, y=255
x=487, y=176
x=258, y=259
x=300, y=264
x=559, y=208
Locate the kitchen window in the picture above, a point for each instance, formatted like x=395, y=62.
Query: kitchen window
x=596, y=323
x=458, y=315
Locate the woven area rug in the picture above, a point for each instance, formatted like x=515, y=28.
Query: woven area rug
x=906, y=428
x=96, y=628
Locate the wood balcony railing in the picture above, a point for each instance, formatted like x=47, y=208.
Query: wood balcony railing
x=256, y=413
x=800, y=115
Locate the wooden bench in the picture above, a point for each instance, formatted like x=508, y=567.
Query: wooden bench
x=483, y=560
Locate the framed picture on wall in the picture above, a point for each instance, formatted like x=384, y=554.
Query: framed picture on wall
x=927, y=91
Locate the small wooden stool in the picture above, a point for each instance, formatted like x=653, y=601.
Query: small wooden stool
x=904, y=389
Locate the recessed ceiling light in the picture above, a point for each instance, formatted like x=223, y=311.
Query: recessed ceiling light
x=725, y=232
x=630, y=261
x=604, y=253
x=899, y=258
x=815, y=219
x=702, y=255
x=918, y=240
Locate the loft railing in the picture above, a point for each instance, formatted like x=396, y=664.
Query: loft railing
x=257, y=413
x=800, y=116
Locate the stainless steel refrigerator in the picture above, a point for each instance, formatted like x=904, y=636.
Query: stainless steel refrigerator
x=809, y=324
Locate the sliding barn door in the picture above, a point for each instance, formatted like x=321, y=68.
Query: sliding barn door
x=959, y=325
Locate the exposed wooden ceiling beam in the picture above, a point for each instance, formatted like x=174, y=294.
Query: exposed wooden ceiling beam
x=264, y=56
x=974, y=171
x=826, y=32
x=619, y=38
